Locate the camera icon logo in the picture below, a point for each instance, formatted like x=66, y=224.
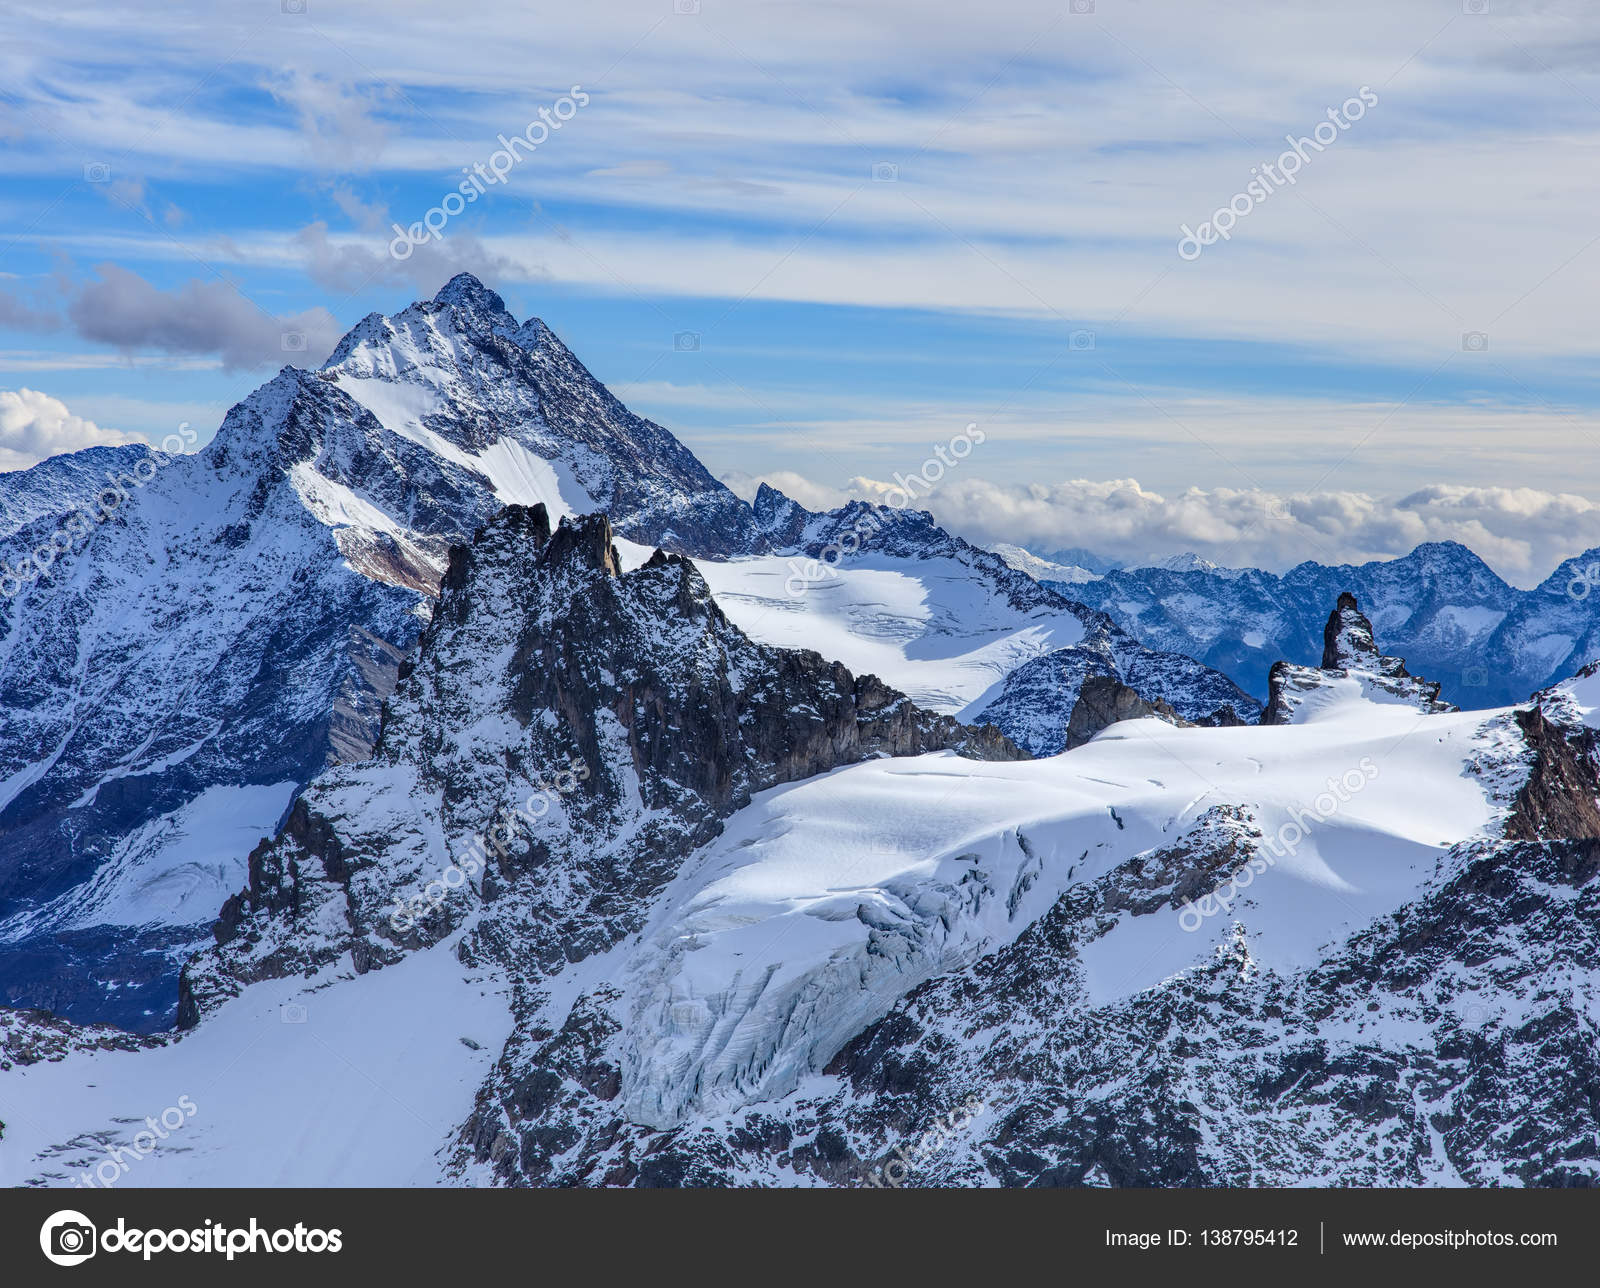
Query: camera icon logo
x=885, y=172
x=96, y=172
x=294, y=6
x=68, y=1238
x=686, y=342
x=1475, y=677
x=294, y=341
x=1081, y=340
x=1475, y=341
x=1474, y=6
x=686, y=8
x=1081, y=6
x=292, y=1013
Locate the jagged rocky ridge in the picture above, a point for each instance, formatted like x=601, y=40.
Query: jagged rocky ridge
x=544, y=661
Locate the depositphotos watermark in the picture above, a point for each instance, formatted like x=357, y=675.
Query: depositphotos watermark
x=802, y=573
x=69, y=1238
x=496, y=169
x=896, y=1169
x=1583, y=580
x=1290, y=162
x=497, y=838
x=1340, y=791
x=112, y=1168
x=77, y=526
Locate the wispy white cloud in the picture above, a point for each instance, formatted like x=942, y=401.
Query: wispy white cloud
x=1044, y=159
x=338, y=119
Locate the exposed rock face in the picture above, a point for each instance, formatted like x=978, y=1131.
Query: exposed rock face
x=1559, y=799
x=27, y=1037
x=1349, y=653
x=1104, y=701
x=358, y=705
x=545, y=659
x=1347, y=642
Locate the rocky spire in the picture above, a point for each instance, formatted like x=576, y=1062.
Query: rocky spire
x=1347, y=641
x=1349, y=651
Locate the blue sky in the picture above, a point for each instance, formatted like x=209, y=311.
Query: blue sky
x=883, y=222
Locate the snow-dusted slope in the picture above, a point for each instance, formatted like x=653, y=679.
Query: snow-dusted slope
x=296, y=1084
x=888, y=592
x=55, y=487
x=926, y=625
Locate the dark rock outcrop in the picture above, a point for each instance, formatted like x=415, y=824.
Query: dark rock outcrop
x=1104, y=701
x=1559, y=800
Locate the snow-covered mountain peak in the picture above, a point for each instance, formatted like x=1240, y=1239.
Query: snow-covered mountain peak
x=1188, y=561
x=1042, y=569
x=467, y=292
x=458, y=374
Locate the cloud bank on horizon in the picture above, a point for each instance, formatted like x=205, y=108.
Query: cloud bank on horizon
x=1522, y=533
x=826, y=235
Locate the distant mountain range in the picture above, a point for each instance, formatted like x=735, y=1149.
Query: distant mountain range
x=1440, y=607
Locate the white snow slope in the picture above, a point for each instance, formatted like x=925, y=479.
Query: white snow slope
x=349, y=1080
x=924, y=625
x=825, y=901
